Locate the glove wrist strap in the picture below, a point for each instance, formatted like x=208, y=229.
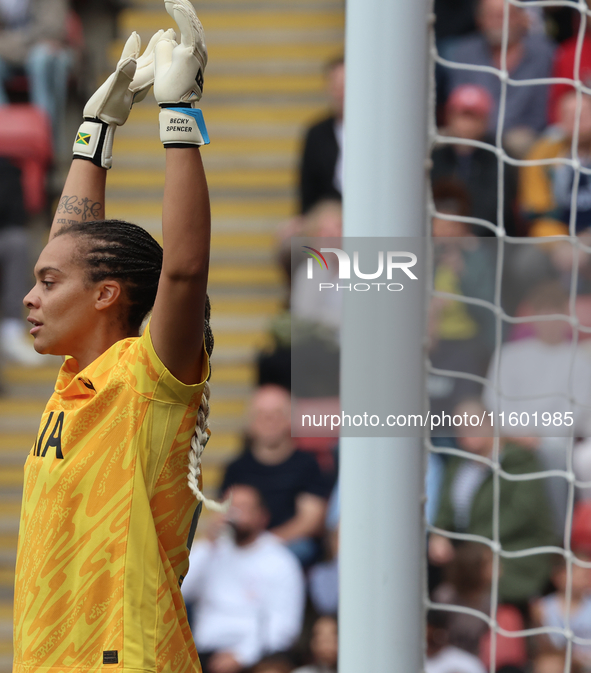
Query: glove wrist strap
x=94, y=142
x=182, y=127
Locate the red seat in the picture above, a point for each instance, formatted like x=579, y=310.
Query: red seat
x=25, y=138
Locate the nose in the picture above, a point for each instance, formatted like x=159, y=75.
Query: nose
x=31, y=300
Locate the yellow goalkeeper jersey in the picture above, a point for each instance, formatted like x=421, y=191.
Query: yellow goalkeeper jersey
x=106, y=520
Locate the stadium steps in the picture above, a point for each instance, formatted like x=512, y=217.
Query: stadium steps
x=263, y=86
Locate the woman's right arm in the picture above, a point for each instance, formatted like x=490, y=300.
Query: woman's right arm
x=83, y=196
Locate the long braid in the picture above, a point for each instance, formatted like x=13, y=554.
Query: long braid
x=198, y=442
x=124, y=251
x=202, y=433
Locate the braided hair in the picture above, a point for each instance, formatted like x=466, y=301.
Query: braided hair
x=119, y=250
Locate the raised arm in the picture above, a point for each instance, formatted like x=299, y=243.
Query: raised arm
x=179, y=310
x=83, y=197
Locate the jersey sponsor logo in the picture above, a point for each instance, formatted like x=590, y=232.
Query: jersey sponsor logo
x=46, y=441
x=83, y=138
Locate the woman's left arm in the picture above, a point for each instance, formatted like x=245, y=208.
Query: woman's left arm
x=179, y=311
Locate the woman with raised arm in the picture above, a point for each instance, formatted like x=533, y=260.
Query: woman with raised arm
x=111, y=485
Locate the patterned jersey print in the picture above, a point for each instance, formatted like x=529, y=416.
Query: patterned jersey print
x=105, y=520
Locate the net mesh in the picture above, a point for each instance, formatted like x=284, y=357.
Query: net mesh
x=502, y=319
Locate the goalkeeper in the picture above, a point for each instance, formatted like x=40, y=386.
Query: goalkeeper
x=111, y=486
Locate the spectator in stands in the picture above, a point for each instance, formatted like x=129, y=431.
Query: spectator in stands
x=307, y=305
x=529, y=56
x=535, y=377
x=467, y=504
x=33, y=36
x=550, y=611
x=564, y=68
x=324, y=647
x=14, y=269
x=468, y=112
x=539, y=365
x=443, y=657
x=246, y=590
x=321, y=170
x=290, y=480
x=461, y=336
x=325, y=220
x=545, y=190
x=468, y=584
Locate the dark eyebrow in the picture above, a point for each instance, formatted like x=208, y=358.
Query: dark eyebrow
x=45, y=269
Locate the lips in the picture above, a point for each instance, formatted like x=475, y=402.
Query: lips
x=36, y=326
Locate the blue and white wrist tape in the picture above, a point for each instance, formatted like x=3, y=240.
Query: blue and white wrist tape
x=182, y=126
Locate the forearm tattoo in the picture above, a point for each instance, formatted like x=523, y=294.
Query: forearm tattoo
x=85, y=208
x=63, y=221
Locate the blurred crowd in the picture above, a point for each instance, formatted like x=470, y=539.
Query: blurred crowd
x=45, y=63
x=262, y=591
x=536, y=361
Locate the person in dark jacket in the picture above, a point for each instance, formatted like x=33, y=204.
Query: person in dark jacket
x=467, y=506
x=321, y=169
x=467, y=116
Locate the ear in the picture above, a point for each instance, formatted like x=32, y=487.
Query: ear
x=108, y=292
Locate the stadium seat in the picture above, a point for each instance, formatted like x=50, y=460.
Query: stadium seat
x=25, y=138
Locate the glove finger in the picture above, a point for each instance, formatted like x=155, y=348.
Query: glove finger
x=126, y=69
x=183, y=12
x=144, y=74
x=148, y=56
x=131, y=49
x=163, y=54
x=170, y=34
x=112, y=101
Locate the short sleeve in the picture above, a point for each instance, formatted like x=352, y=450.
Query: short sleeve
x=149, y=376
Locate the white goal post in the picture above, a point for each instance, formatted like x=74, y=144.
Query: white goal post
x=382, y=539
x=390, y=127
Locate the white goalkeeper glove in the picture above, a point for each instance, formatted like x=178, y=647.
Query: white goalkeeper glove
x=178, y=82
x=110, y=105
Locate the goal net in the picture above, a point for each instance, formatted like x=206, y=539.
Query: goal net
x=509, y=336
